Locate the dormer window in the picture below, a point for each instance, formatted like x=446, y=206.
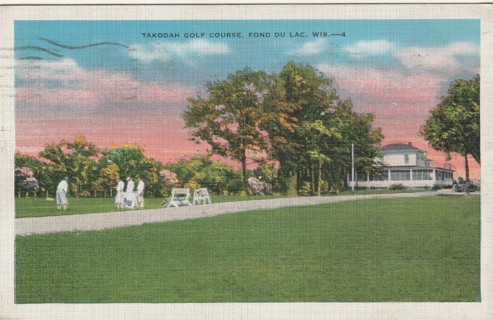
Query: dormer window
x=406, y=159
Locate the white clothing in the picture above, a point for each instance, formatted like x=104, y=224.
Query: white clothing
x=63, y=185
x=130, y=186
x=140, y=193
x=129, y=200
x=140, y=187
x=119, y=193
x=61, y=193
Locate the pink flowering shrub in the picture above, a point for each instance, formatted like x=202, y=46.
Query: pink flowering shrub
x=25, y=179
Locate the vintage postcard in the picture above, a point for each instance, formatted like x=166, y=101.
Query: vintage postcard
x=246, y=161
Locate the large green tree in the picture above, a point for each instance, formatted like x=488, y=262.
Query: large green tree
x=75, y=159
x=454, y=125
x=295, y=107
x=311, y=130
x=293, y=118
x=228, y=119
x=132, y=162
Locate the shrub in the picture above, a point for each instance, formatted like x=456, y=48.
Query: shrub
x=305, y=190
x=397, y=186
x=436, y=187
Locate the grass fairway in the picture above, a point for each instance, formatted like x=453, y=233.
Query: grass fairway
x=373, y=250
x=40, y=207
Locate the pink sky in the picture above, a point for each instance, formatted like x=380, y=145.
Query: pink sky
x=113, y=109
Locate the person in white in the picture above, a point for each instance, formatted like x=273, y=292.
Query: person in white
x=140, y=193
x=129, y=195
x=61, y=194
x=130, y=185
x=119, y=194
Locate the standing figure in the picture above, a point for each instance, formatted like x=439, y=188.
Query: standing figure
x=129, y=195
x=130, y=185
x=140, y=193
x=61, y=194
x=119, y=194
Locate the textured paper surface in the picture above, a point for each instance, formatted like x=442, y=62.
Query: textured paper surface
x=10, y=310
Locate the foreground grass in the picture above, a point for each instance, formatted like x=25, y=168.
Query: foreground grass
x=40, y=207
x=373, y=250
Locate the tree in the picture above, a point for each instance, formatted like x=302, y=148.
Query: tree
x=355, y=129
x=454, y=125
x=202, y=172
x=75, y=159
x=296, y=103
x=229, y=118
x=293, y=118
x=109, y=175
x=132, y=162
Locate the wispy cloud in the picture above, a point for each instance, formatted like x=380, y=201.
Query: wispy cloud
x=370, y=48
x=184, y=51
x=65, y=83
x=387, y=87
x=311, y=48
x=443, y=58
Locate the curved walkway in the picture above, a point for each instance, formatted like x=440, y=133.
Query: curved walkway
x=111, y=220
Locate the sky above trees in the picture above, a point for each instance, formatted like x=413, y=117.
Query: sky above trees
x=127, y=82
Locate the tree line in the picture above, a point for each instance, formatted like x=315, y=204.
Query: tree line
x=293, y=118
x=91, y=171
x=289, y=127
x=94, y=172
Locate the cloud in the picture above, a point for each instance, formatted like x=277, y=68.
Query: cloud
x=370, y=48
x=385, y=88
x=443, y=58
x=167, y=51
x=311, y=48
x=64, y=83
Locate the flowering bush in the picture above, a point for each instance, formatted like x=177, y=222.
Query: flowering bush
x=25, y=179
x=170, y=178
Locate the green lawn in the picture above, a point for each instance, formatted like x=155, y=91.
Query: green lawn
x=373, y=250
x=40, y=207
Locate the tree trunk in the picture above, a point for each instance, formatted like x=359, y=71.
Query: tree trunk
x=312, y=174
x=319, y=178
x=244, y=172
x=466, y=162
x=292, y=186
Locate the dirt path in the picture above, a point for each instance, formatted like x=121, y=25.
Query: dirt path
x=111, y=220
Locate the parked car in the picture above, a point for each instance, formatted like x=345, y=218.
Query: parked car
x=461, y=187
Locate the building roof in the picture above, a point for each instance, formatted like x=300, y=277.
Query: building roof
x=400, y=147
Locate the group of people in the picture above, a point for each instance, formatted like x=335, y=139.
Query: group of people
x=134, y=198
x=126, y=198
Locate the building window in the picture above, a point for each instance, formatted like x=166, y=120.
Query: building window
x=361, y=177
x=443, y=175
x=400, y=175
x=422, y=174
x=380, y=176
x=406, y=159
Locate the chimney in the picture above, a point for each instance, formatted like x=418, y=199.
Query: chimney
x=410, y=144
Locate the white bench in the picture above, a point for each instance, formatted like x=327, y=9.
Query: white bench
x=201, y=196
x=179, y=197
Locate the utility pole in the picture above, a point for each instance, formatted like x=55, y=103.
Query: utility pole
x=352, y=167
